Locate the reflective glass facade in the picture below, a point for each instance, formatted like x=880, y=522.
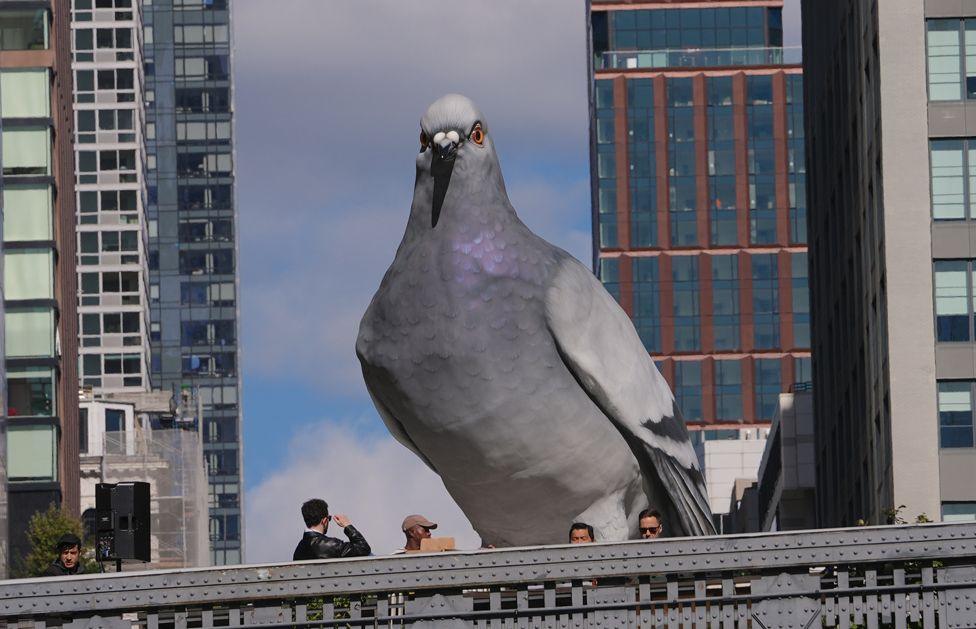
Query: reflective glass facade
x=192, y=236
x=699, y=205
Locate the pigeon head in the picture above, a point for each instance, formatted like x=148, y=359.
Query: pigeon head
x=457, y=168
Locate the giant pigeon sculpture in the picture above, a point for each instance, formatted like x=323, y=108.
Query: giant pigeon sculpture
x=503, y=363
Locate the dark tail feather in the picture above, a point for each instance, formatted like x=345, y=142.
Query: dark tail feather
x=687, y=490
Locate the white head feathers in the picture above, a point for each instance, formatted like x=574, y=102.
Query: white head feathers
x=452, y=112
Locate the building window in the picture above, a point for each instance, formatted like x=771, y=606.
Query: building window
x=197, y=262
x=765, y=301
x=209, y=68
x=217, y=100
x=215, y=132
x=30, y=392
x=220, y=430
x=687, y=312
x=606, y=164
x=27, y=213
x=728, y=390
x=207, y=333
x=26, y=151
x=222, y=462
x=762, y=160
x=647, y=314
x=725, y=302
x=958, y=511
x=956, y=414
x=83, y=431
x=221, y=294
x=657, y=29
x=609, y=276
x=797, y=167
x=25, y=93
x=29, y=332
x=802, y=370
x=682, y=158
x=88, y=525
x=643, y=163
x=224, y=495
x=801, y=300
x=28, y=274
x=767, y=384
x=687, y=388
x=216, y=364
x=204, y=165
x=193, y=34
x=31, y=453
x=950, y=163
x=721, y=161
x=114, y=431
x=952, y=299
x=206, y=230
x=24, y=29
x=951, y=52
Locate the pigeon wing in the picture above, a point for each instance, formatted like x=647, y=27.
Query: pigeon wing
x=600, y=346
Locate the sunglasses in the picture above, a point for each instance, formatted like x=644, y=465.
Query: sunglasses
x=649, y=529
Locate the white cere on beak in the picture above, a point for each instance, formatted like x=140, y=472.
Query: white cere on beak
x=438, y=137
x=453, y=136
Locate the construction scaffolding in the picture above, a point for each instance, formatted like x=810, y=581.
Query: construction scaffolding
x=171, y=461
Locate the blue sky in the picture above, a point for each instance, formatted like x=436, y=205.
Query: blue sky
x=328, y=101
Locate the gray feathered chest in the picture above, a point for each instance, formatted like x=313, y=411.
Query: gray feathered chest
x=457, y=315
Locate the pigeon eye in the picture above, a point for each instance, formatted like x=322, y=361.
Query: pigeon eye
x=477, y=135
x=424, y=141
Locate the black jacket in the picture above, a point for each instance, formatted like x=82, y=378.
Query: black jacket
x=57, y=569
x=318, y=546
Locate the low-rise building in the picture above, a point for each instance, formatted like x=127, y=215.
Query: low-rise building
x=734, y=454
x=149, y=437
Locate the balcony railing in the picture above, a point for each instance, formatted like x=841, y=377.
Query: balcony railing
x=697, y=58
x=898, y=576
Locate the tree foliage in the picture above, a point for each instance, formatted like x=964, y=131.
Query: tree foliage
x=43, y=532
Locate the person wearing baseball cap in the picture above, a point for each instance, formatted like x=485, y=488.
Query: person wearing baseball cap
x=416, y=528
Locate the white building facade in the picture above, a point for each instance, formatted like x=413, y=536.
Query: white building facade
x=111, y=190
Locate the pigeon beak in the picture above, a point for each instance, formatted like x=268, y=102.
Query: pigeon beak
x=446, y=149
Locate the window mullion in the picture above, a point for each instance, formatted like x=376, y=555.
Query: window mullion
x=962, y=61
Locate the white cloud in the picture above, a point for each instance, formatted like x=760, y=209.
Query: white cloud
x=374, y=481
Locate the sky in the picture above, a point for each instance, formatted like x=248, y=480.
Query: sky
x=328, y=100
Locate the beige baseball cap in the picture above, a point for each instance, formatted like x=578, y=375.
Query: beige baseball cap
x=413, y=520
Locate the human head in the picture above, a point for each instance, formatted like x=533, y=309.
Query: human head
x=69, y=547
x=581, y=533
x=650, y=524
x=314, y=511
x=416, y=527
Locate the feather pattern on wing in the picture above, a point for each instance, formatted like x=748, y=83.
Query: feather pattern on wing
x=600, y=346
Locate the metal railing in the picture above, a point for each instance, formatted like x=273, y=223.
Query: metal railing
x=897, y=576
x=697, y=58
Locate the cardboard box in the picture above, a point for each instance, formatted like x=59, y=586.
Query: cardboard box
x=435, y=545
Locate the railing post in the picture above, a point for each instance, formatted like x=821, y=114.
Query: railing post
x=786, y=601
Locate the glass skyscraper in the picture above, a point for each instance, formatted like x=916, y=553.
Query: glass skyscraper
x=699, y=208
x=192, y=236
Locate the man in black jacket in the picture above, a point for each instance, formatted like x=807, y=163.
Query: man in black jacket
x=68, y=560
x=316, y=544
